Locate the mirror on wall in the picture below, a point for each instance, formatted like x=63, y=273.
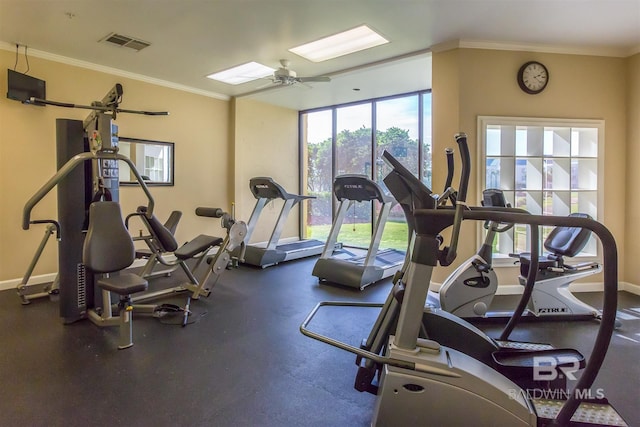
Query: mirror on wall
x=153, y=159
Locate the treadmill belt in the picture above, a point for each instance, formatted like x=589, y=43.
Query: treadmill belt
x=391, y=257
x=302, y=244
x=386, y=257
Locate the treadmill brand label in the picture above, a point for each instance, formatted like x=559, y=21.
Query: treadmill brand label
x=552, y=310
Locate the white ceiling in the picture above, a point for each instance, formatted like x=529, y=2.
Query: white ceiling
x=192, y=38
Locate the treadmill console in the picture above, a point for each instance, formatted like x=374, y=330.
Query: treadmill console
x=266, y=188
x=358, y=188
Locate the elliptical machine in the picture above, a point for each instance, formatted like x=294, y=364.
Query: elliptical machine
x=423, y=382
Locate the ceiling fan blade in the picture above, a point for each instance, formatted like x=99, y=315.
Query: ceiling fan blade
x=302, y=83
x=314, y=79
x=269, y=83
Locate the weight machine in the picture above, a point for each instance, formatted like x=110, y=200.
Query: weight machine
x=92, y=143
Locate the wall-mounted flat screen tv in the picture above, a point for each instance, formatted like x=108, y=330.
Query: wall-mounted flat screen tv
x=22, y=87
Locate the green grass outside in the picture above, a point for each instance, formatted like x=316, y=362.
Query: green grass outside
x=393, y=237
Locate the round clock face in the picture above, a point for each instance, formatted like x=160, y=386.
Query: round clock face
x=533, y=77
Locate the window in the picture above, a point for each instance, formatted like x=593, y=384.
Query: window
x=350, y=139
x=546, y=166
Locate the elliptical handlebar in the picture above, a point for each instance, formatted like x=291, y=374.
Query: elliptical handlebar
x=449, y=253
x=449, y=192
x=465, y=156
x=450, y=168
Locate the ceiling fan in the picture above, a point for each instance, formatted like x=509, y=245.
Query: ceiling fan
x=284, y=76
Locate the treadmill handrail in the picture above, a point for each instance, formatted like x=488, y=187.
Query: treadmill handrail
x=71, y=165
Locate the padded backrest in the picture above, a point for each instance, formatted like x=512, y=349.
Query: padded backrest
x=163, y=235
x=568, y=241
x=172, y=222
x=108, y=247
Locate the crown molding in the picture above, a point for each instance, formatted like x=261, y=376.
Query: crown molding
x=114, y=71
x=532, y=47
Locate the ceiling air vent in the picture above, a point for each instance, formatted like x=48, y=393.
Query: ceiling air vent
x=125, y=41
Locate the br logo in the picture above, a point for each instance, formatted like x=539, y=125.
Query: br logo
x=549, y=368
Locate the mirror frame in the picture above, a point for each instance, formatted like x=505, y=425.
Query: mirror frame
x=171, y=146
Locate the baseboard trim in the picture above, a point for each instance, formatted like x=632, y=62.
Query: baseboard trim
x=502, y=290
x=34, y=280
x=629, y=287
x=48, y=278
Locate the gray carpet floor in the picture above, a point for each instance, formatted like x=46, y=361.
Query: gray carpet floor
x=242, y=363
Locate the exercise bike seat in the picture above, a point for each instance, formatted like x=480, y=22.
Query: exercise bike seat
x=568, y=241
x=562, y=241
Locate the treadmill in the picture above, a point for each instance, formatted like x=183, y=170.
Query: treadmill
x=265, y=190
x=344, y=267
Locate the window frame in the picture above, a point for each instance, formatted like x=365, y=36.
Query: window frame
x=484, y=121
x=334, y=109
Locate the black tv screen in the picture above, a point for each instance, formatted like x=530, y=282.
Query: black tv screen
x=22, y=87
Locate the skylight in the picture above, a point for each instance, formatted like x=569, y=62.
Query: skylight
x=242, y=73
x=350, y=41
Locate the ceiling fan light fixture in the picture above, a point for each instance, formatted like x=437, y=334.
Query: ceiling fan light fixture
x=242, y=73
x=340, y=44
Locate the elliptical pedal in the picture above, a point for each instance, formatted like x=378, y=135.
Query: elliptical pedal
x=591, y=412
x=524, y=346
x=521, y=367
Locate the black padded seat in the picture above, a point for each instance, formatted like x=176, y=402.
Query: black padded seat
x=568, y=241
x=543, y=263
x=108, y=248
x=195, y=246
x=124, y=284
x=562, y=241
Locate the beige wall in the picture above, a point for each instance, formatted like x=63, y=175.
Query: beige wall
x=468, y=83
x=631, y=249
x=265, y=144
x=220, y=145
x=198, y=125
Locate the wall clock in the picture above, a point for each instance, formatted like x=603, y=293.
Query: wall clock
x=533, y=77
